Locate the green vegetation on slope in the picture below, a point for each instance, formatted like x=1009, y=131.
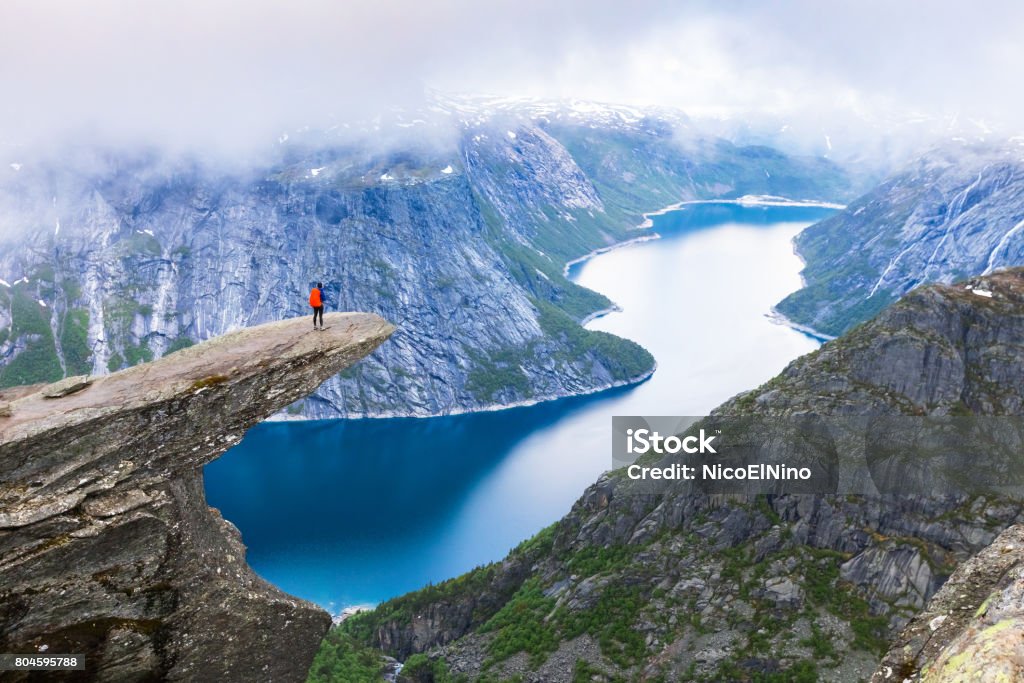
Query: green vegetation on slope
x=542, y=277
x=521, y=626
x=74, y=342
x=400, y=610
x=501, y=371
x=821, y=302
x=625, y=359
x=38, y=362
x=531, y=619
x=359, y=631
x=421, y=668
x=343, y=660
x=499, y=374
x=648, y=170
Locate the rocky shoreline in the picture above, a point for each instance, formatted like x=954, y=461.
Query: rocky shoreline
x=283, y=416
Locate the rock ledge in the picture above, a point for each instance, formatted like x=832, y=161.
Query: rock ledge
x=107, y=546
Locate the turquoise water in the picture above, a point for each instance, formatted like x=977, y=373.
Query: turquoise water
x=354, y=512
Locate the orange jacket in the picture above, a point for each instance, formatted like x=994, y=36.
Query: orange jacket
x=314, y=298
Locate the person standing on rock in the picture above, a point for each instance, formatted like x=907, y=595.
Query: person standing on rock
x=316, y=300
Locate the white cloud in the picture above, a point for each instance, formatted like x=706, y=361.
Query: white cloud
x=233, y=74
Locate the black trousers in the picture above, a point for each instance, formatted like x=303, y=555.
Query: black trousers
x=318, y=311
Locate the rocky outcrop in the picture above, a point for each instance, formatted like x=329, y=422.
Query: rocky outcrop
x=667, y=584
x=107, y=546
x=973, y=629
x=942, y=350
x=957, y=211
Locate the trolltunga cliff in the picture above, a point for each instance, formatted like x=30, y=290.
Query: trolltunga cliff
x=107, y=546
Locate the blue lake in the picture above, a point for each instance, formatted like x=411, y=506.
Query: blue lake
x=354, y=512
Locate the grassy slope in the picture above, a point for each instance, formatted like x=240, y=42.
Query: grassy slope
x=561, y=305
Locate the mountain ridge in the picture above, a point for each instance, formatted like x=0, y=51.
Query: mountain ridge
x=953, y=213
x=468, y=241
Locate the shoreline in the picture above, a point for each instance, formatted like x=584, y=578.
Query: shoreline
x=489, y=408
x=648, y=223
x=614, y=308
x=766, y=200
x=605, y=250
x=803, y=263
x=781, y=319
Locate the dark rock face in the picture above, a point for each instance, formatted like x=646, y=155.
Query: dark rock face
x=447, y=620
x=954, y=213
x=108, y=547
x=942, y=349
x=723, y=587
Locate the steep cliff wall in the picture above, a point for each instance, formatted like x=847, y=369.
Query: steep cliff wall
x=956, y=212
x=111, y=259
x=107, y=546
x=673, y=585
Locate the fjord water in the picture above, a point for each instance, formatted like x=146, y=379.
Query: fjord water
x=357, y=511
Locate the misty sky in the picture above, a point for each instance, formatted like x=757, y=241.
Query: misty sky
x=238, y=73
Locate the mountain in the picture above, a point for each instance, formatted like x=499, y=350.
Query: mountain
x=459, y=233
x=957, y=211
x=668, y=584
x=108, y=547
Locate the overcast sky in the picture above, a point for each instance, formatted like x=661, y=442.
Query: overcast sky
x=213, y=72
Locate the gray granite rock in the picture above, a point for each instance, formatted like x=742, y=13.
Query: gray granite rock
x=956, y=211
x=66, y=386
x=972, y=629
x=783, y=591
x=107, y=546
x=154, y=253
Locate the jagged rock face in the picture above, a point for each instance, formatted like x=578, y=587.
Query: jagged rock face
x=954, y=213
x=726, y=587
x=108, y=546
x=973, y=629
x=557, y=182
x=942, y=349
x=461, y=245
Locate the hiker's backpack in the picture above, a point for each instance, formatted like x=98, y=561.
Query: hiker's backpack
x=314, y=298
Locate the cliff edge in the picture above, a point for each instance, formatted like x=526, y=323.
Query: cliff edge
x=973, y=628
x=107, y=546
